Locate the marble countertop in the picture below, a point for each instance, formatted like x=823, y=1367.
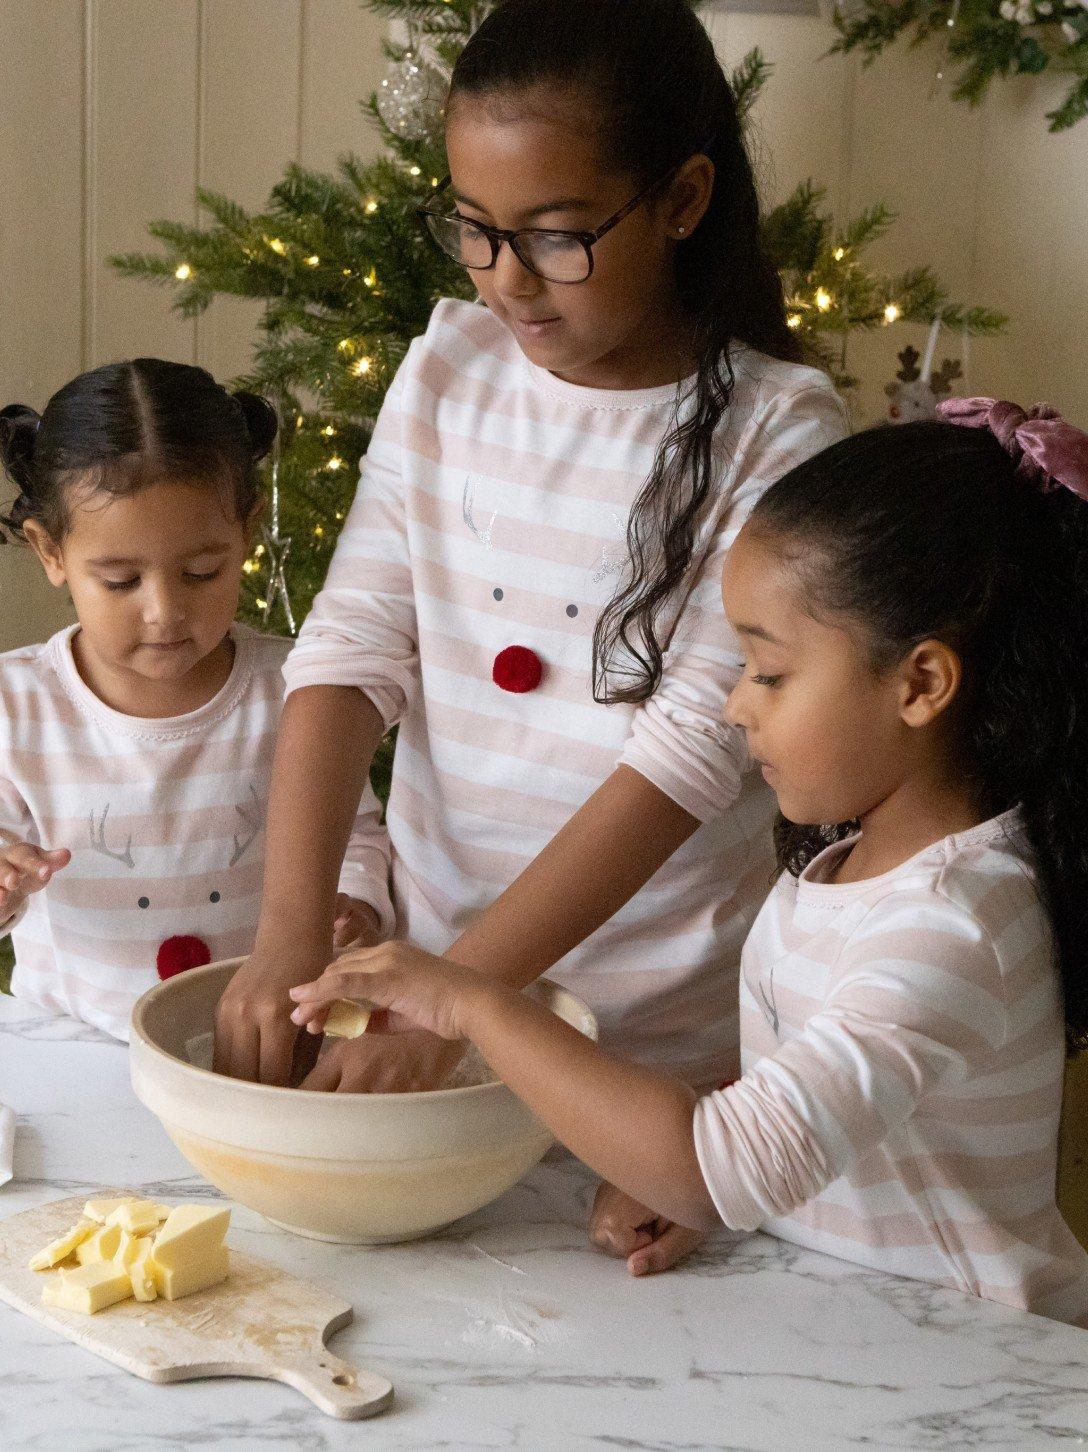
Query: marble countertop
x=509, y=1331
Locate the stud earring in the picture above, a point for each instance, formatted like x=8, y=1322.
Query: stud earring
x=680, y=231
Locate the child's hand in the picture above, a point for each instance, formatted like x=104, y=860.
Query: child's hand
x=623, y=1227
x=418, y=989
x=356, y=924
x=24, y=869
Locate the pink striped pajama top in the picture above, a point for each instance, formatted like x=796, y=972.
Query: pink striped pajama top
x=164, y=818
x=903, y=1046
x=492, y=512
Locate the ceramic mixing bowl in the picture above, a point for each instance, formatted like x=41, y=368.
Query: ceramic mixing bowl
x=360, y=1168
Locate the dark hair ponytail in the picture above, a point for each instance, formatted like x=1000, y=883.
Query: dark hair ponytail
x=123, y=426
x=657, y=93
x=926, y=531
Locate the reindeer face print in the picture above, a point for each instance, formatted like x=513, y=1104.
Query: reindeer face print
x=915, y=396
x=519, y=667
x=181, y=950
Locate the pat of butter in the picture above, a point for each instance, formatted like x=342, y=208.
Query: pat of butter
x=100, y=1209
x=59, y=1249
x=138, y=1217
x=190, y=1232
x=206, y=1268
x=90, y=1288
x=347, y=1019
x=103, y=1244
x=139, y=1271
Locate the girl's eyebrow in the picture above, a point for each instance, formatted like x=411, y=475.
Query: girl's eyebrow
x=106, y=562
x=564, y=204
x=758, y=632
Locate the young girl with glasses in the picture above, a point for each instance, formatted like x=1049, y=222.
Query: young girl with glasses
x=527, y=582
x=913, y=605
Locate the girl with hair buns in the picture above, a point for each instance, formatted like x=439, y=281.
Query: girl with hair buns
x=136, y=745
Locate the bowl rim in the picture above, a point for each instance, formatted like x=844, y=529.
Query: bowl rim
x=138, y=1031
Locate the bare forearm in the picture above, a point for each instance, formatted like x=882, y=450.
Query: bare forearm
x=610, y=848
x=327, y=739
x=630, y=1124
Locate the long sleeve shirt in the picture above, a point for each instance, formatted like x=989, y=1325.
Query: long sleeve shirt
x=903, y=1046
x=492, y=512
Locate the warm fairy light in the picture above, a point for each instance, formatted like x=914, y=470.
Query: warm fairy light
x=299, y=421
x=414, y=171
x=249, y=567
x=277, y=245
x=339, y=516
x=823, y=299
x=261, y=604
x=347, y=271
x=363, y=366
x=839, y=253
x=371, y=205
x=335, y=463
x=434, y=181
x=345, y=345
x=313, y=260
x=259, y=551
x=183, y=271
x=372, y=277
x=319, y=530
x=329, y=431
x=891, y=312
x=794, y=320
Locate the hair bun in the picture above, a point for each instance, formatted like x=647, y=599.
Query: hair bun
x=18, y=430
x=262, y=421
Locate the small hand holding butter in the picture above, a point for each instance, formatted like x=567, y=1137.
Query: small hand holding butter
x=426, y=992
x=134, y=1248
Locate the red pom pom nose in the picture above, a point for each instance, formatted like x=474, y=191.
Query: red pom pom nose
x=517, y=668
x=177, y=954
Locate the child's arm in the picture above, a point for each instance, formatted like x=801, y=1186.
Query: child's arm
x=631, y=1124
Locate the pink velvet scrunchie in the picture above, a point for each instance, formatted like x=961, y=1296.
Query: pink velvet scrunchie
x=1046, y=450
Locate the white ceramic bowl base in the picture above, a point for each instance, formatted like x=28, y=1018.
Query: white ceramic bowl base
x=358, y=1168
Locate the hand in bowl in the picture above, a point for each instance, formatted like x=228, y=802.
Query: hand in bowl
x=254, y=1036
x=425, y=998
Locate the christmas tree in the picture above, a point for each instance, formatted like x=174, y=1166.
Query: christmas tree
x=348, y=278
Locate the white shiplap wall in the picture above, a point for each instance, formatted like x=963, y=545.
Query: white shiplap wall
x=111, y=111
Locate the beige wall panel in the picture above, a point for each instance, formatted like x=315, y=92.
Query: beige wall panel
x=41, y=80
x=342, y=64
x=145, y=58
x=248, y=133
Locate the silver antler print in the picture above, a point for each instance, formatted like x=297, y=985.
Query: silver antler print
x=468, y=499
x=251, y=822
x=98, y=840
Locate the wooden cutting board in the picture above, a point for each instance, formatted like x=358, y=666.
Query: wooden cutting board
x=259, y=1322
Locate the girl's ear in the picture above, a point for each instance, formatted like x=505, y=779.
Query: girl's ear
x=47, y=550
x=930, y=678
x=252, y=521
x=688, y=196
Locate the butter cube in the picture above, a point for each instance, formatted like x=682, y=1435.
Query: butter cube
x=102, y=1244
x=90, y=1288
x=189, y=1233
x=100, y=1209
x=206, y=1268
x=139, y=1271
x=59, y=1249
x=347, y=1019
x=138, y=1217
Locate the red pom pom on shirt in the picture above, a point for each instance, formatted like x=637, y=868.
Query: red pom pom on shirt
x=177, y=954
x=517, y=668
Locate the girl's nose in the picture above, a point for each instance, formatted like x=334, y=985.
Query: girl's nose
x=735, y=712
x=162, y=606
x=512, y=277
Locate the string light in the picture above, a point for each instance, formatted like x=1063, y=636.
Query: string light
x=335, y=463
x=319, y=530
x=347, y=271
x=371, y=278
x=329, y=431
x=414, y=171
x=277, y=245
x=839, y=253
x=892, y=312
x=183, y=271
x=345, y=345
x=313, y=260
x=259, y=551
x=261, y=604
x=249, y=567
x=363, y=366
x=794, y=320
x=299, y=421
x=823, y=299
x=371, y=206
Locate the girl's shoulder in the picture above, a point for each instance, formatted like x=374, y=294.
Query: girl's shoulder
x=463, y=337
x=762, y=381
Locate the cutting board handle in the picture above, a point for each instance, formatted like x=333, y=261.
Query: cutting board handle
x=335, y=1386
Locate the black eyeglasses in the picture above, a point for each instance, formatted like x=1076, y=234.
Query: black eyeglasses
x=556, y=256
